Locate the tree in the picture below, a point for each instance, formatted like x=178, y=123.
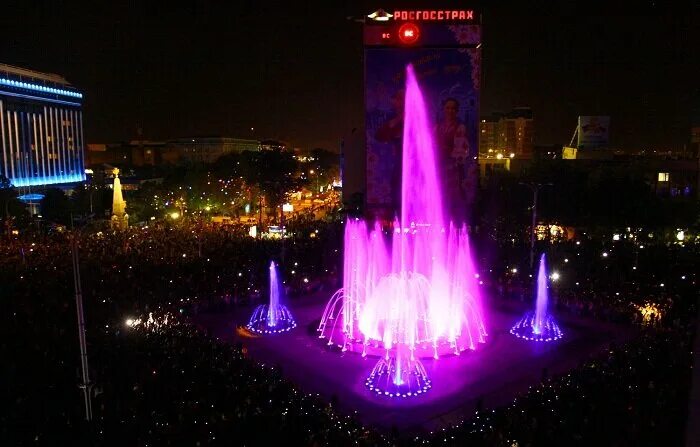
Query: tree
x=55, y=206
x=274, y=173
x=7, y=195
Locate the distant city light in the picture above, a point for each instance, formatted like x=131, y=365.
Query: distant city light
x=514, y=270
x=499, y=156
x=129, y=322
x=174, y=215
x=616, y=237
x=555, y=276
x=605, y=254
x=680, y=235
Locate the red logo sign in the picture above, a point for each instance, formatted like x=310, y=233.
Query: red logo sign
x=435, y=15
x=409, y=33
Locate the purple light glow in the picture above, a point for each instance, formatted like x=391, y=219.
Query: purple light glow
x=412, y=294
x=272, y=318
x=538, y=325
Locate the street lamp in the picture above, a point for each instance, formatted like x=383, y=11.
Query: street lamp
x=85, y=385
x=535, y=187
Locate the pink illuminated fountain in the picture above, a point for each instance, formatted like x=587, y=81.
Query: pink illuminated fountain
x=410, y=292
x=538, y=325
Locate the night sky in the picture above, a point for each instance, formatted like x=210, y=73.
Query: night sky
x=294, y=72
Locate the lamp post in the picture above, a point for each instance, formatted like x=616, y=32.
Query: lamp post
x=535, y=187
x=85, y=384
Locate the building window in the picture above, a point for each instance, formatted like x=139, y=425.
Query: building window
x=663, y=176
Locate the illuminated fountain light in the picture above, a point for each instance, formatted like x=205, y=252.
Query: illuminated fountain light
x=539, y=325
x=528, y=329
x=410, y=293
x=398, y=376
x=275, y=317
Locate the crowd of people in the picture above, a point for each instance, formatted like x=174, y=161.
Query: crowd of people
x=159, y=380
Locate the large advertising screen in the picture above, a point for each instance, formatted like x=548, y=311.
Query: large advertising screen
x=449, y=75
x=593, y=132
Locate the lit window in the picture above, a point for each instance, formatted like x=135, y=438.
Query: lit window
x=663, y=176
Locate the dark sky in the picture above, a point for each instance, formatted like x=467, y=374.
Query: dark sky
x=294, y=72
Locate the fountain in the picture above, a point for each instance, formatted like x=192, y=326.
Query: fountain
x=538, y=325
x=275, y=317
x=409, y=292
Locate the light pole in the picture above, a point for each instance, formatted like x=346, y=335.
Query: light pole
x=85, y=385
x=535, y=187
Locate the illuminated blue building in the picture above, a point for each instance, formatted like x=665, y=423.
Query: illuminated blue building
x=41, y=128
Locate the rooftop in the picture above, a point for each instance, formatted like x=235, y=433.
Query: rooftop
x=27, y=74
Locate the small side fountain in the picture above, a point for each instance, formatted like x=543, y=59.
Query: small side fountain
x=275, y=317
x=539, y=325
x=400, y=375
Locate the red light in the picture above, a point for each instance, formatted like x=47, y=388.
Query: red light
x=409, y=33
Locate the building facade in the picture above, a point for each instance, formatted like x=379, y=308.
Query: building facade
x=41, y=128
x=488, y=134
x=508, y=133
x=209, y=149
x=155, y=153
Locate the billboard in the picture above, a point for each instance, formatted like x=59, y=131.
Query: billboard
x=446, y=59
x=593, y=132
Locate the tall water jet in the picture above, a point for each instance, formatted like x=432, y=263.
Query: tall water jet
x=539, y=325
x=274, y=317
x=410, y=292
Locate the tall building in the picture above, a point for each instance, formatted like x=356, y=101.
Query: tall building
x=516, y=132
x=444, y=49
x=41, y=128
x=695, y=142
x=488, y=134
x=507, y=133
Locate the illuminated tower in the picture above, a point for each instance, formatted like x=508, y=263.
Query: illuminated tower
x=444, y=46
x=120, y=220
